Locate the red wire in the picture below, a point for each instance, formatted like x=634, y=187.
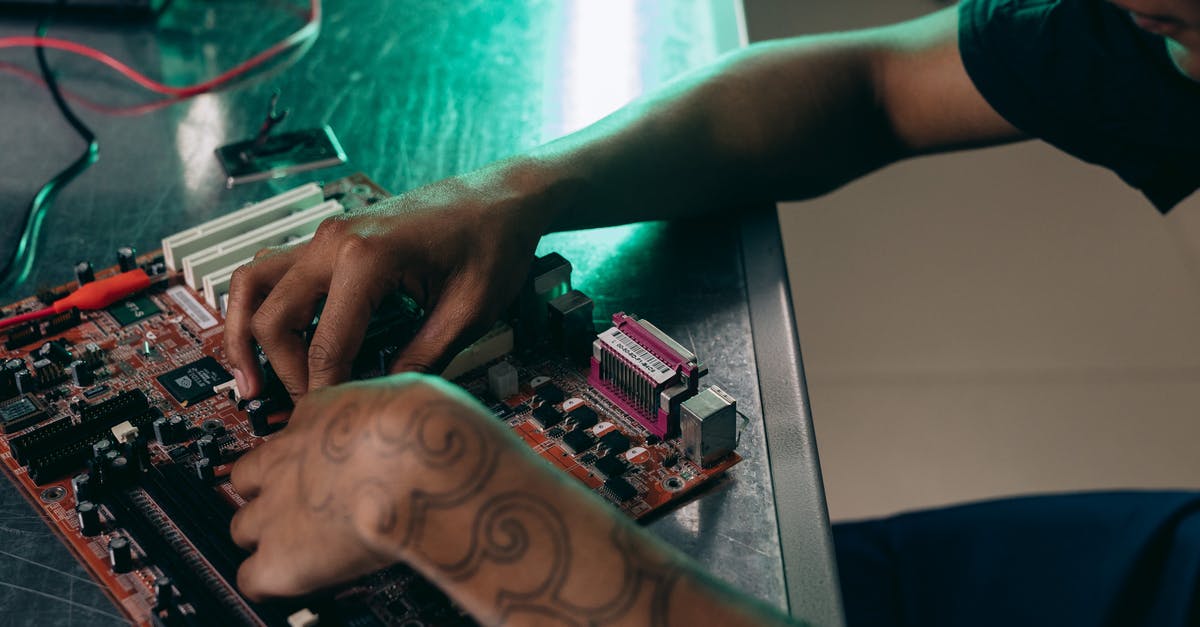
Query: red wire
x=311, y=28
x=26, y=317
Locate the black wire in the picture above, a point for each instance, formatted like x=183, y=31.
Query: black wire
x=20, y=263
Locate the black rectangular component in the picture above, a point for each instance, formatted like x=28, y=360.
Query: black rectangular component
x=99, y=390
x=123, y=405
x=545, y=416
x=584, y=417
x=578, y=441
x=549, y=392
x=34, y=441
x=133, y=310
x=615, y=441
x=62, y=321
x=20, y=412
x=23, y=336
x=611, y=466
x=194, y=382
x=621, y=489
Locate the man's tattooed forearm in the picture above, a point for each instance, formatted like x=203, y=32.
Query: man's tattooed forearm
x=517, y=530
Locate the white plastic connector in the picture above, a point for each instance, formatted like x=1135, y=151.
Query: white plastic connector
x=497, y=343
x=215, y=284
x=176, y=247
x=243, y=247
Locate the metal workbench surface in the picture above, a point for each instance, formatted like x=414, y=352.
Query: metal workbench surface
x=418, y=90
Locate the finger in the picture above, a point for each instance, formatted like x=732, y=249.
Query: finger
x=355, y=291
x=447, y=329
x=249, y=286
x=247, y=524
x=281, y=320
x=252, y=469
x=260, y=577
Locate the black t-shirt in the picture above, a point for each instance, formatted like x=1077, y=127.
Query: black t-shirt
x=1081, y=76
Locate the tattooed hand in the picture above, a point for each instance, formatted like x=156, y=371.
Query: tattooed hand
x=410, y=468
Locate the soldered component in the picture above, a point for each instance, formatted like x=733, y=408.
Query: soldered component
x=20, y=413
x=120, y=554
x=502, y=380
x=84, y=273
x=127, y=258
x=709, y=423
x=89, y=518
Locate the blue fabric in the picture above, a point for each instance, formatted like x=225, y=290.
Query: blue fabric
x=1109, y=559
x=1080, y=75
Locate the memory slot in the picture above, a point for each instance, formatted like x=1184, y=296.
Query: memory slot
x=176, y=247
x=244, y=246
x=215, y=284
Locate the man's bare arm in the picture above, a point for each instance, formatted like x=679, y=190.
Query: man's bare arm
x=781, y=120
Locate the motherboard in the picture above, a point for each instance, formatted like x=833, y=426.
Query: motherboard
x=119, y=421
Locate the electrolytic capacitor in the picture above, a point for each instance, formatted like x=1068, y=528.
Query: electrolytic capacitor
x=84, y=273
x=127, y=258
x=258, y=412
x=120, y=554
x=81, y=374
x=89, y=518
x=81, y=487
x=101, y=448
x=119, y=471
x=206, y=446
x=164, y=592
x=26, y=382
x=204, y=469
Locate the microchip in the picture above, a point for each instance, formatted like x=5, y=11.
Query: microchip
x=133, y=310
x=549, y=392
x=19, y=413
x=621, y=489
x=587, y=458
x=578, y=441
x=611, y=467
x=546, y=416
x=194, y=382
x=585, y=417
x=615, y=441
x=92, y=393
x=555, y=432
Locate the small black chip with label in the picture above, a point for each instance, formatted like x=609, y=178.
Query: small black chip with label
x=578, y=441
x=584, y=417
x=615, y=441
x=194, y=382
x=133, y=310
x=611, y=467
x=621, y=489
x=19, y=413
x=545, y=416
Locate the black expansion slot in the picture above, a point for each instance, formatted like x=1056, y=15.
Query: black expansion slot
x=21, y=446
x=128, y=403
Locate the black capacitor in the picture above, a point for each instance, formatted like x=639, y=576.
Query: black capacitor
x=138, y=453
x=26, y=382
x=89, y=518
x=127, y=258
x=120, y=554
x=258, y=411
x=204, y=469
x=101, y=448
x=207, y=446
x=81, y=487
x=84, y=273
x=12, y=366
x=164, y=592
x=81, y=374
x=162, y=431
x=119, y=471
x=178, y=428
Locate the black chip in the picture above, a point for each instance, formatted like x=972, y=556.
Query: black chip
x=194, y=382
x=578, y=441
x=611, y=467
x=621, y=489
x=177, y=453
x=501, y=410
x=554, y=432
x=587, y=458
x=585, y=417
x=133, y=310
x=99, y=390
x=615, y=441
x=19, y=413
x=546, y=416
x=549, y=392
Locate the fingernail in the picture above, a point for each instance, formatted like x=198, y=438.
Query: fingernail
x=240, y=379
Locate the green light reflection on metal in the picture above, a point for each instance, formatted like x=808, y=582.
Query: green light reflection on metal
x=594, y=253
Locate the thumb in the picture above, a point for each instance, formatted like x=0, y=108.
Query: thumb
x=455, y=319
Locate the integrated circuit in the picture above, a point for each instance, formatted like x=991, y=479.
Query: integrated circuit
x=615, y=441
x=578, y=441
x=584, y=417
x=621, y=489
x=133, y=310
x=194, y=382
x=611, y=466
x=20, y=412
x=546, y=416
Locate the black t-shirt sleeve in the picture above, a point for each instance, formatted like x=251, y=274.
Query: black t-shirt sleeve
x=1081, y=76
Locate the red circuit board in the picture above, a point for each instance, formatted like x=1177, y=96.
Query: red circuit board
x=168, y=327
